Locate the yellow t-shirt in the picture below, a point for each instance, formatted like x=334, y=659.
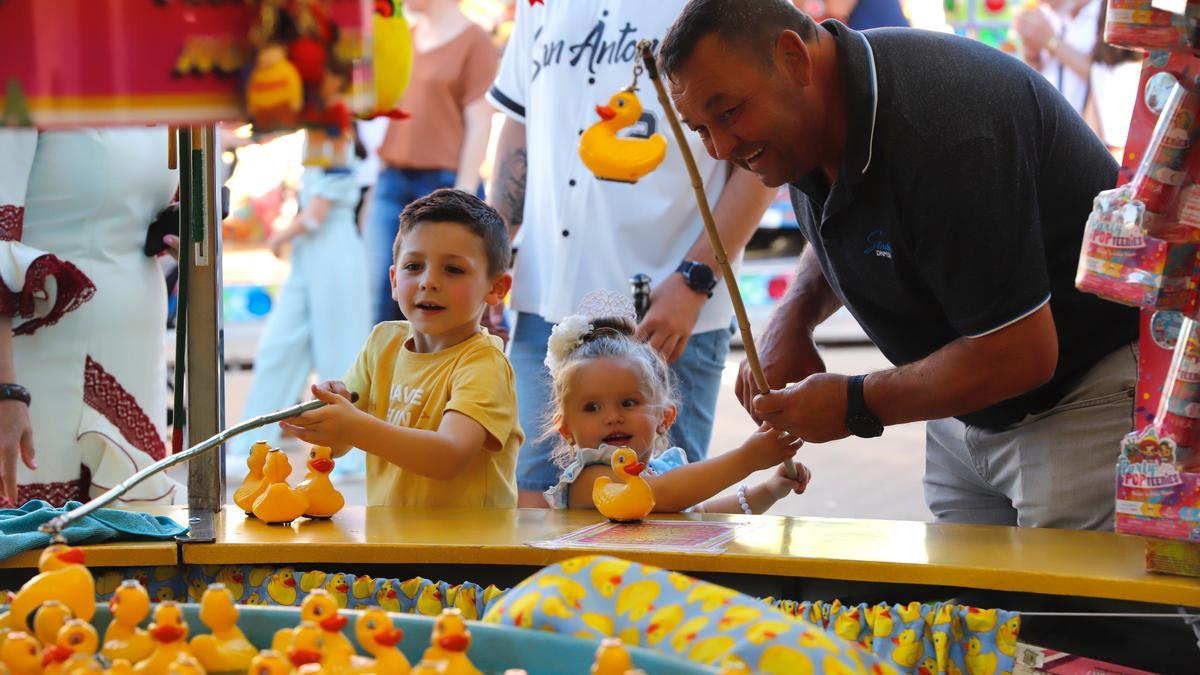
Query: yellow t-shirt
x=409, y=389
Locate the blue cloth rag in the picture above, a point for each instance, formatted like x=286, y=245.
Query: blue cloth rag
x=19, y=527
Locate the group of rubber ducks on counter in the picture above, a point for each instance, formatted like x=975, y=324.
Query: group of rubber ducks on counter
x=266, y=495
x=58, y=604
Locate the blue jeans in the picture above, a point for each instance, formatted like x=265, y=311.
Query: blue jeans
x=394, y=190
x=696, y=376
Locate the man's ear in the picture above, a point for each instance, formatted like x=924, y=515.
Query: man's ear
x=792, y=55
x=501, y=285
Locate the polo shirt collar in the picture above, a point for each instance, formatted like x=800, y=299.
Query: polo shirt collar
x=862, y=105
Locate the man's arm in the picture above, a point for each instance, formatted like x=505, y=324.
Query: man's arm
x=674, y=307
x=964, y=376
x=507, y=188
x=478, y=126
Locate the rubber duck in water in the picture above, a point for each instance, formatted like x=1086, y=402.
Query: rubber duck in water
x=124, y=639
x=186, y=665
x=255, y=484
x=227, y=648
x=625, y=503
x=279, y=503
x=269, y=662
x=120, y=667
x=323, y=499
x=306, y=645
x=22, y=654
x=49, y=619
x=449, y=643
x=376, y=634
x=320, y=610
x=620, y=159
x=169, y=632
x=612, y=658
x=64, y=578
x=75, y=646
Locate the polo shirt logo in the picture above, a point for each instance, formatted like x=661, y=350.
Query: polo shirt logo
x=877, y=246
x=593, y=50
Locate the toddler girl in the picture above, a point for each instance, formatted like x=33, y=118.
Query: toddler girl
x=611, y=390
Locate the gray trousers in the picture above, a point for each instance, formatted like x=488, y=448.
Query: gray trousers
x=1054, y=469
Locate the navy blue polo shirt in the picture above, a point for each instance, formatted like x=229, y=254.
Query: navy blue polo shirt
x=876, y=14
x=960, y=205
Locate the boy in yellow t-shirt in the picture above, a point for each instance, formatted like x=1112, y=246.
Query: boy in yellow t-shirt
x=437, y=408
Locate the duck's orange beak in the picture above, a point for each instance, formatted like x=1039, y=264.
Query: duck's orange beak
x=389, y=637
x=342, y=588
x=71, y=555
x=333, y=624
x=167, y=633
x=391, y=593
x=303, y=657
x=605, y=112
x=322, y=465
x=55, y=654
x=635, y=468
x=454, y=643
x=290, y=583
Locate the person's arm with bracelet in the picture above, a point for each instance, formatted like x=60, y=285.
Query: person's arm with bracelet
x=676, y=302
x=16, y=431
x=506, y=193
x=477, y=119
x=309, y=219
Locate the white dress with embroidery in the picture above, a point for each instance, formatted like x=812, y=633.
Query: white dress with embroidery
x=88, y=307
x=558, y=494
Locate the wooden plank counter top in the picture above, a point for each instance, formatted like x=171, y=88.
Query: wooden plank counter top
x=1056, y=562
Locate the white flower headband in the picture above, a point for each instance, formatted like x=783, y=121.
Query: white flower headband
x=568, y=334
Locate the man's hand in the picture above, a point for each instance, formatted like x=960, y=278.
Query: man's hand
x=813, y=409
x=786, y=353
x=16, y=439
x=674, y=308
x=332, y=425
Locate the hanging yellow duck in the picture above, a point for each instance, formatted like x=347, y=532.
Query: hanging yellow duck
x=279, y=504
x=393, y=58
x=627, y=502
x=624, y=160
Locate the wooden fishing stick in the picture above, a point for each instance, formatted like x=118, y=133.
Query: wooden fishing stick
x=710, y=226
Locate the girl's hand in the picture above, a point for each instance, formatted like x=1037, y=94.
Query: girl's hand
x=767, y=447
x=332, y=425
x=779, y=485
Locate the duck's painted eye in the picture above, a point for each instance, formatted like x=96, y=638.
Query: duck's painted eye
x=312, y=455
x=371, y=625
x=620, y=103
x=318, y=611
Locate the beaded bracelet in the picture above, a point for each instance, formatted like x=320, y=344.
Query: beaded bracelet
x=741, y=495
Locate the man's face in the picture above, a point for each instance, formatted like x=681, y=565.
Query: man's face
x=758, y=115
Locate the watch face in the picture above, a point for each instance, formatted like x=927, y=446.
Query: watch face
x=864, y=426
x=700, y=277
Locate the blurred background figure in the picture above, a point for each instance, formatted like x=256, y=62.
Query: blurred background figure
x=443, y=143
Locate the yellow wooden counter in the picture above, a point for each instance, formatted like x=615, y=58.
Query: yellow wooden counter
x=1055, y=562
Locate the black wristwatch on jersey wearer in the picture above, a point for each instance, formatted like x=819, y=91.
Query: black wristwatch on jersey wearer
x=700, y=277
x=860, y=421
x=14, y=392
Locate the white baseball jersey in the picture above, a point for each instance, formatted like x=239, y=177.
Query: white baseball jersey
x=581, y=233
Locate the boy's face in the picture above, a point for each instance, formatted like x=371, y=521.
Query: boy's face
x=441, y=282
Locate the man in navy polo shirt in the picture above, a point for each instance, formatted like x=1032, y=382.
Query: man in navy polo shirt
x=943, y=188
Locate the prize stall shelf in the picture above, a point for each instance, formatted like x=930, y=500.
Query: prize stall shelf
x=118, y=554
x=1054, y=562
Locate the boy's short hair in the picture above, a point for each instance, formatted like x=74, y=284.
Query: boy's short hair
x=455, y=206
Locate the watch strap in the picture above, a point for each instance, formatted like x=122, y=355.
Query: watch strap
x=856, y=402
x=15, y=392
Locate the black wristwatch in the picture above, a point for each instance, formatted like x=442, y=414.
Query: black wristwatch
x=14, y=392
x=700, y=277
x=860, y=421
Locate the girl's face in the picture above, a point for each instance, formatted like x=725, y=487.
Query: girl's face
x=607, y=401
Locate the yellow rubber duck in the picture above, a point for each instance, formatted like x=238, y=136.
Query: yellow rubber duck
x=393, y=56
x=624, y=160
x=22, y=654
x=612, y=658
x=980, y=620
x=270, y=662
x=282, y=587
x=429, y=602
x=449, y=643
x=848, y=624
x=323, y=499
x=363, y=586
x=75, y=645
x=279, y=503
x=233, y=579
x=226, y=648
x=120, y=667
x=305, y=644
x=386, y=596
x=49, y=619
x=339, y=588
x=195, y=589
x=628, y=501
x=254, y=485
x=170, y=633
x=62, y=577
x=376, y=634
x=979, y=663
x=186, y=665
x=319, y=609
x=1006, y=636
x=466, y=599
